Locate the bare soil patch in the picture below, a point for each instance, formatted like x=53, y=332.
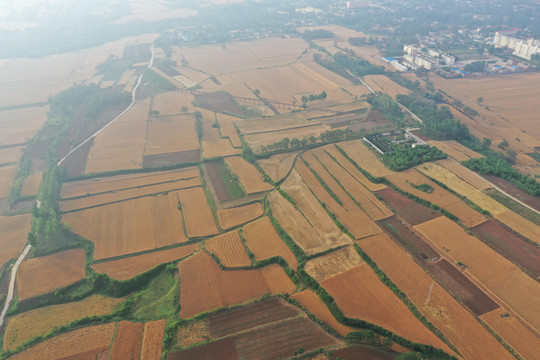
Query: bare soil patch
x=411, y=211
x=169, y=159
x=219, y=101
x=532, y=201
x=127, y=341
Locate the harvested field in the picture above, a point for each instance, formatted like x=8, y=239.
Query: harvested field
x=249, y=177
x=312, y=303
x=310, y=207
x=224, y=184
x=172, y=103
x=250, y=316
x=229, y=249
x=197, y=214
x=461, y=287
x=268, y=138
x=403, y=233
x=129, y=267
x=17, y=126
x=226, y=349
x=213, y=145
x=532, y=201
x=171, y=134
x=411, y=211
x=169, y=159
x=375, y=121
x=333, y=151
x=152, y=344
x=132, y=226
x=93, y=201
x=445, y=313
x=127, y=341
x=455, y=150
x=521, y=339
x=468, y=175
x=204, y=286
x=227, y=128
x=10, y=154
x=101, y=185
x=24, y=327
x=466, y=215
x=451, y=180
x=355, y=219
x=510, y=245
x=219, y=101
x=193, y=333
x=360, y=294
x=278, y=166
x=44, y=274
x=229, y=218
x=364, y=157
x=385, y=85
x=264, y=242
x=7, y=173
x=521, y=225
x=368, y=202
x=300, y=230
x=31, y=184
x=327, y=266
x=91, y=342
x=125, y=138
x=517, y=290
x=14, y=230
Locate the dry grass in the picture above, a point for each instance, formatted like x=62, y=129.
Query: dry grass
x=329, y=265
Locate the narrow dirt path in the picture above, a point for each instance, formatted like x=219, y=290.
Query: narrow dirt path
x=12, y=283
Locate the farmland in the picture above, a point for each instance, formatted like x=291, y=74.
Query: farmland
x=127, y=340
x=383, y=84
x=332, y=264
x=204, y=286
x=264, y=242
x=455, y=150
x=129, y=267
x=229, y=249
x=14, y=230
x=278, y=166
x=44, y=274
x=249, y=177
x=229, y=218
x=197, y=214
x=153, y=340
x=433, y=301
x=126, y=227
x=28, y=325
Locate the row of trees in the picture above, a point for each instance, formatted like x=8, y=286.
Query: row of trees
x=312, y=97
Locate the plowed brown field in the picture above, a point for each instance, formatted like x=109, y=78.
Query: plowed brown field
x=229, y=218
x=152, y=344
x=360, y=294
x=129, y=267
x=517, y=290
x=521, y=225
x=44, y=274
x=264, y=242
x=249, y=177
x=299, y=229
x=121, y=145
x=413, y=212
x=127, y=341
x=229, y=249
x=24, y=327
x=197, y=214
x=312, y=303
x=278, y=166
x=87, y=343
x=10, y=154
x=329, y=265
x=204, y=286
x=457, y=324
x=14, y=230
x=130, y=226
x=521, y=339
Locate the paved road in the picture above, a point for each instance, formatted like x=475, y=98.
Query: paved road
x=133, y=100
x=12, y=283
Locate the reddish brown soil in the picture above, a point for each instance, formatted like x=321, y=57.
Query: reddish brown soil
x=361, y=352
x=213, y=170
x=532, y=201
x=127, y=341
x=409, y=210
x=511, y=246
x=461, y=287
x=224, y=349
x=401, y=233
x=219, y=101
x=180, y=157
x=76, y=162
x=250, y=316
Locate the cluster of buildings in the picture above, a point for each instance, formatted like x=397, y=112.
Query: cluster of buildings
x=522, y=48
x=425, y=57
